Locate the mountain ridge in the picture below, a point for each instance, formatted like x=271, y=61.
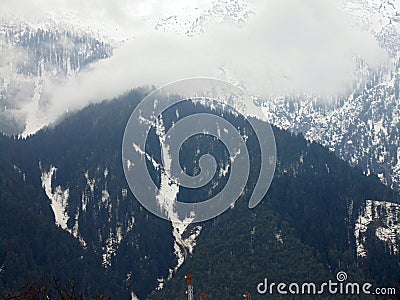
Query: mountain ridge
x=85, y=149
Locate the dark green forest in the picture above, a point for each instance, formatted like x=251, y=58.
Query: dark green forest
x=302, y=231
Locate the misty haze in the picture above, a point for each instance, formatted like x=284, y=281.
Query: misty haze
x=199, y=149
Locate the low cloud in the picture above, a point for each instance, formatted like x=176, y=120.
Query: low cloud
x=286, y=46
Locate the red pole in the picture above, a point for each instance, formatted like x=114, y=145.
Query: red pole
x=189, y=278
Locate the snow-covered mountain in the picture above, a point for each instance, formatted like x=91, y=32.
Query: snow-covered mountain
x=362, y=123
x=33, y=55
x=380, y=17
x=363, y=130
x=192, y=22
x=39, y=53
x=362, y=126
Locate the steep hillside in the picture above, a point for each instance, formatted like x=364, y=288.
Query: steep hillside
x=72, y=176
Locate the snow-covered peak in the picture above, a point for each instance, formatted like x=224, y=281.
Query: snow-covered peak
x=191, y=21
x=380, y=17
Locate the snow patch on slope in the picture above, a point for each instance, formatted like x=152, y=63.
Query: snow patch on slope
x=114, y=240
x=133, y=296
x=166, y=198
x=96, y=197
x=58, y=198
x=387, y=217
x=59, y=203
